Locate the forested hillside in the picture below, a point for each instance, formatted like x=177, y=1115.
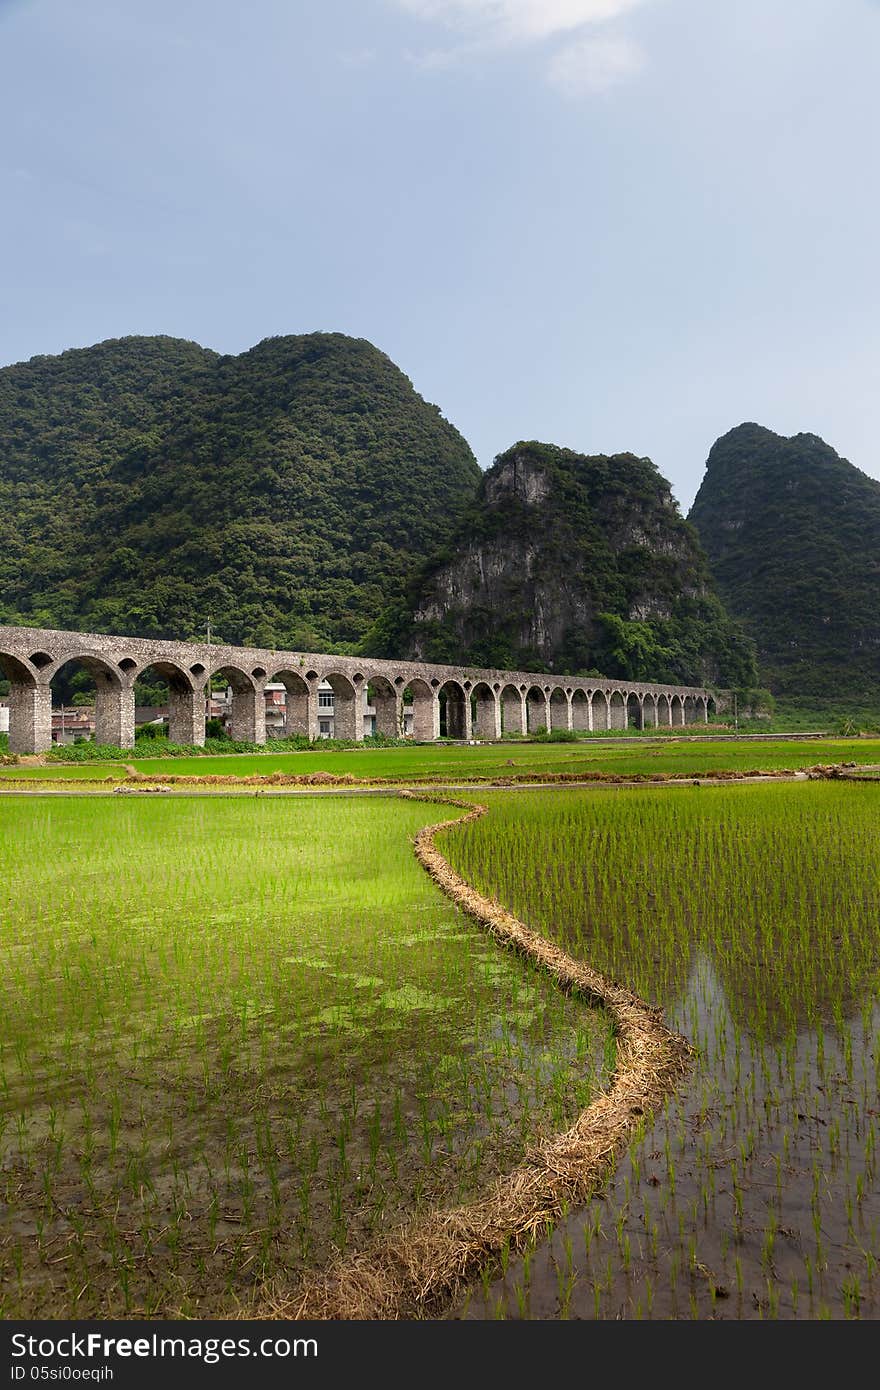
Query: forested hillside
x=149, y=486
x=573, y=563
x=792, y=531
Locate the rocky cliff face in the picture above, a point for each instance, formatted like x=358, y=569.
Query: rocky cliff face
x=574, y=563
x=792, y=532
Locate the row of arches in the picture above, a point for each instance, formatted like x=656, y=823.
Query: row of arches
x=455, y=708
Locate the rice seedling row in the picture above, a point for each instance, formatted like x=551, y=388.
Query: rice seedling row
x=240, y=1036
x=750, y=915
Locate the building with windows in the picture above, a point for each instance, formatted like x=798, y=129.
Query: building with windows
x=276, y=711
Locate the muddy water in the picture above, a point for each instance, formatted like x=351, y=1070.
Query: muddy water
x=754, y=1195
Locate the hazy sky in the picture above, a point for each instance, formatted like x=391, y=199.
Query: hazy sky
x=608, y=224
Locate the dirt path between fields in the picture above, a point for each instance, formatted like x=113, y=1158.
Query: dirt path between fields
x=415, y=1271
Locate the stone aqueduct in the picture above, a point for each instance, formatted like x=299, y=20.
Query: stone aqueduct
x=458, y=701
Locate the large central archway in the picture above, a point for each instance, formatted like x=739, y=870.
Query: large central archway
x=616, y=710
x=426, y=710
x=300, y=702
x=167, y=683
x=513, y=713
x=537, y=709
x=486, y=712
x=383, y=698
x=581, y=711
x=348, y=706
x=30, y=705
x=455, y=711
x=248, y=724
x=100, y=686
x=559, y=710
x=633, y=711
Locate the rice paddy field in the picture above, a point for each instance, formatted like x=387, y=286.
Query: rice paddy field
x=456, y=762
x=244, y=1035
x=750, y=915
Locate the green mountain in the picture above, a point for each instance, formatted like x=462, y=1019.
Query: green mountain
x=149, y=486
x=792, y=532
x=572, y=563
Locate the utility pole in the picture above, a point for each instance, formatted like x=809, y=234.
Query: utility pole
x=208, y=691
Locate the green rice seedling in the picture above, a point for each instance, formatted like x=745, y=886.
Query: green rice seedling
x=287, y=981
x=758, y=938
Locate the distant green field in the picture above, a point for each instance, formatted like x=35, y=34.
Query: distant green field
x=458, y=762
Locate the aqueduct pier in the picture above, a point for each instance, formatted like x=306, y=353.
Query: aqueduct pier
x=458, y=702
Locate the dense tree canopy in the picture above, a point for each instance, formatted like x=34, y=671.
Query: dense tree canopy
x=149, y=486
x=792, y=532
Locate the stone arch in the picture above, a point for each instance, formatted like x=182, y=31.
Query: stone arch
x=711, y=709
x=300, y=702
x=426, y=710
x=633, y=711
x=385, y=699
x=248, y=724
x=559, y=709
x=30, y=706
x=113, y=699
x=649, y=710
x=616, y=710
x=348, y=717
x=676, y=711
x=172, y=674
x=600, y=710
x=235, y=676
x=16, y=671
x=690, y=709
x=537, y=711
x=485, y=712
x=513, y=715
x=664, y=716
x=184, y=695
x=98, y=666
x=581, y=711
x=455, y=711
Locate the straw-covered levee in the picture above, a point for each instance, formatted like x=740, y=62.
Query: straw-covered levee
x=418, y=1269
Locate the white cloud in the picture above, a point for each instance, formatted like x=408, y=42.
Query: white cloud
x=593, y=65
x=521, y=20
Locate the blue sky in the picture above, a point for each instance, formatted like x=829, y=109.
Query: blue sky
x=608, y=224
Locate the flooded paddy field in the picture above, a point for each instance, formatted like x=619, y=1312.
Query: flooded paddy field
x=246, y=1037
x=750, y=915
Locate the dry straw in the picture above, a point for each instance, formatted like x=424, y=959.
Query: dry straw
x=416, y=1271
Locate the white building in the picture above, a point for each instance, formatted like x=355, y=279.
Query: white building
x=326, y=718
x=276, y=711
